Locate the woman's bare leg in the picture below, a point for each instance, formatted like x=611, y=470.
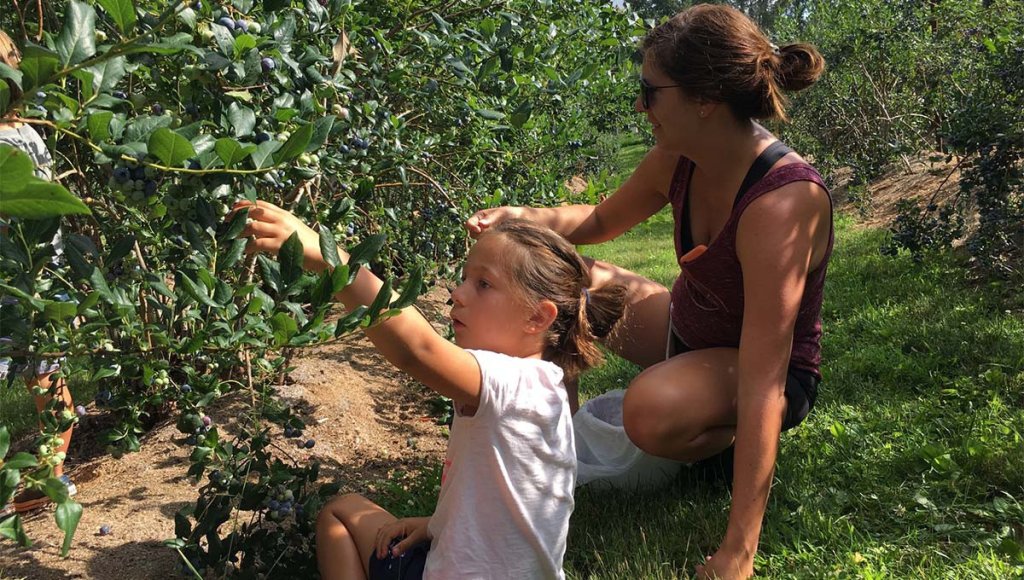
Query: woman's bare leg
x=346, y=535
x=641, y=335
x=684, y=408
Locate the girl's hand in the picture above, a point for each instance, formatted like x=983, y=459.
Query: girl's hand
x=411, y=530
x=727, y=565
x=269, y=227
x=486, y=218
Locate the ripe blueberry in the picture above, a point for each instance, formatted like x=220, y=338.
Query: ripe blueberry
x=80, y=411
x=241, y=25
x=226, y=22
x=158, y=109
x=120, y=95
x=105, y=530
x=309, y=444
x=267, y=64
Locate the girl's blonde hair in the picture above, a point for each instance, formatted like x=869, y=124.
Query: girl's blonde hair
x=9, y=53
x=11, y=56
x=547, y=267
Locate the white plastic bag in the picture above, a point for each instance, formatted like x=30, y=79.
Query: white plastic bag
x=604, y=454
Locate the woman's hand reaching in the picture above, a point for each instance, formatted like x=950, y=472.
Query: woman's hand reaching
x=269, y=227
x=486, y=218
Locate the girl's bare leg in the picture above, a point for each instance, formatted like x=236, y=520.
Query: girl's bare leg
x=63, y=394
x=346, y=535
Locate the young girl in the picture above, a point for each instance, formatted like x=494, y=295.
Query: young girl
x=523, y=318
x=43, y=373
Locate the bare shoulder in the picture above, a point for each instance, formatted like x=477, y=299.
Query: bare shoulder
x=794, y=201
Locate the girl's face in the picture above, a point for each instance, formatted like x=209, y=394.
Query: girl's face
x=487, y=312
x=672, y=114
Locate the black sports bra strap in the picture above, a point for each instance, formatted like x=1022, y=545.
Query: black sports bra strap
x=760, y=167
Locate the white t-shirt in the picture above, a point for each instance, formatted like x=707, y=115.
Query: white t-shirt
x=508, y=478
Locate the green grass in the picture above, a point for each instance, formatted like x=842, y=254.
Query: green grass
x=910, y=466
x=18, y=411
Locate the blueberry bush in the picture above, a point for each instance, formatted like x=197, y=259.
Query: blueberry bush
x=905, y=77
x=372, y=120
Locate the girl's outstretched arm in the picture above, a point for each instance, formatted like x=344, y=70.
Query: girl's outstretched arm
x=407, y=339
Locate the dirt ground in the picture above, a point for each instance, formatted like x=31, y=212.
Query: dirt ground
x=367, y=418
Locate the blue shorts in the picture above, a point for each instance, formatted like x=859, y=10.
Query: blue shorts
x=408, y=566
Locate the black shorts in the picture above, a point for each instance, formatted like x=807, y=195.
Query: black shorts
x=801, y=386
x=408, y=566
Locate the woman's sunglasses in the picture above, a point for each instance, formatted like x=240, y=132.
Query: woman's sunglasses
x=647, y=91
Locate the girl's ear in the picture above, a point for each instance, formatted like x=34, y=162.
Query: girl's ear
x=543, y=317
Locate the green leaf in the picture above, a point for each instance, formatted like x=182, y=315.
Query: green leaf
x=329, y=247
x=290, y=258
x=5, y=444
x=284, y=328
x=9, y=479
x=38, y=64
x=236, y=225
x=101, y=77
x=60, y=310
x=231, y=151
x=271, y=272
x=77, y=41
x=349, y=321
x=197, y=291
x=122, y=12
x=5, y=96
x=15, y=169
x=322, y=128
x=490, y=114
x=521, y=115
x=262, y=156
x=367, y=249
x=11, y=529
x=68, y=515
x=242, y=119
x=41, y=199
x=381, y=301
x=244, y=42
x=169, y=147
x=411, y=291
x=21, y=460
x=99, y=284
x=295, y=145
x=99, y=125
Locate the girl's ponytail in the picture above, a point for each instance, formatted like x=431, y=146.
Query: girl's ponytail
x=599, y=310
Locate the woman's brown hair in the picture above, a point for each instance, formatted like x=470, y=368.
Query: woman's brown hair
x=719, y=54
x=547, y=267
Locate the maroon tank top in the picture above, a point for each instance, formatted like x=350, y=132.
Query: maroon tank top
x=707, y=297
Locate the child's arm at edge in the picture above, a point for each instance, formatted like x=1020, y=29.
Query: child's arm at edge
x=407, y=340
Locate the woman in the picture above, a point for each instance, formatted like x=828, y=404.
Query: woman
x=731, y=353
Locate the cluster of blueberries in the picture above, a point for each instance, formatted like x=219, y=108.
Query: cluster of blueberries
x=575, y=144
x=135, y=181
x=239, y=26
x=357, y=143
x=293, y=432
x=281, y=503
